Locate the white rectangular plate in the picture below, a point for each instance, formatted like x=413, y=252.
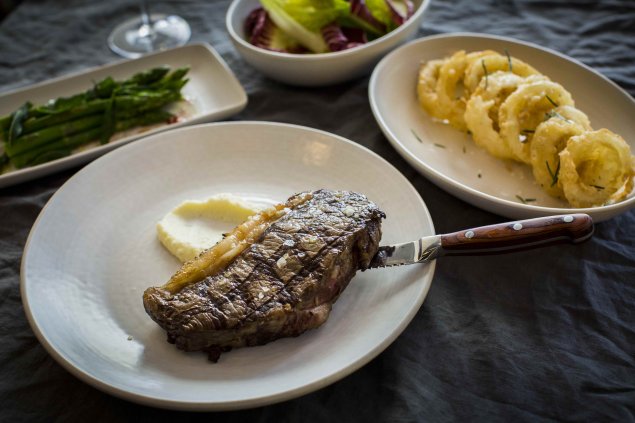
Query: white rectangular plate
x=212, y=91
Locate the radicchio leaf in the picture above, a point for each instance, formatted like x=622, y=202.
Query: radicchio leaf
x=263, y=33
x=339, y=39
x=361, y=11
x=334, y=37
x=401, y=10
x=355, y=36
x=255, y=24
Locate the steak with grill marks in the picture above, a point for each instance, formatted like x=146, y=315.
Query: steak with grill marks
x=282, y=282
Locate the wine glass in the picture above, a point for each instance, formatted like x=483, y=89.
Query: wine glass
x=148, y=33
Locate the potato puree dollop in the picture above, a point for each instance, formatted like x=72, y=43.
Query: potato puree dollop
x=194, y=226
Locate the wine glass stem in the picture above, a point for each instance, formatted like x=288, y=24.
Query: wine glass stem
x=145, y=30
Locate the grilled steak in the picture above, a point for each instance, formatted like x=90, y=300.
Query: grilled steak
x=282, y=283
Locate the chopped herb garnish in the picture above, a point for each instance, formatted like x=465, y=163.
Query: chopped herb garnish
x=551, y=101
x=439, y=145
x=597, y=187
x=554, y=176
x=485, y=70
x=509, y=60
x=416, y=136
x=554, y=114
x=525, y=200
x=479, y=175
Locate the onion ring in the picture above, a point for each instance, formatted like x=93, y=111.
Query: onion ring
x=596, y=169
x=481, y=112
x=492, y=63
x=550, y=138
x=450, y=96
x=572, y=114
x=427, y=87
x=525, y=109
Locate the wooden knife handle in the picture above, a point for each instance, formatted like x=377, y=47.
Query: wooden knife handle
x=518, y=235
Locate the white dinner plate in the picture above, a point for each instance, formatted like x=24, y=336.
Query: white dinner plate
x=451, y=160
x=93, y=251
x=212, y=93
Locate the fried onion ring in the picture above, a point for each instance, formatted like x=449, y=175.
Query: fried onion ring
x=490, y=64
x=450, y=98
x=514, y=112
x=427, y=87
x=596, y=168
x=550, y=138
x=481, y=112
x=572, y=114
x=525, y=109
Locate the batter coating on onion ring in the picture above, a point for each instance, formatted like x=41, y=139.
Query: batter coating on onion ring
x=450, y=98
x=482, y=110
x=525, y=109
x=550, y=138
x=491, y=63
x=427, y=87
x=596, y=169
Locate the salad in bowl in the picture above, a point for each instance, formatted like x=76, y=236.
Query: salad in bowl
x=322, y=26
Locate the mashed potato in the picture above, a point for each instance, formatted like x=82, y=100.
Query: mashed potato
x=194, y=226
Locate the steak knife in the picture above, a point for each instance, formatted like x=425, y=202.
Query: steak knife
x=493, y=239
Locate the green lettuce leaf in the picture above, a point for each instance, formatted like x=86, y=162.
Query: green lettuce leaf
x=303, y=19
x=380, y=11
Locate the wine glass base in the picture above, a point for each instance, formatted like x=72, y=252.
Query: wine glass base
x=131, y=39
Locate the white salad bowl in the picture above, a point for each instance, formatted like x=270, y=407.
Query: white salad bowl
x=316, y=69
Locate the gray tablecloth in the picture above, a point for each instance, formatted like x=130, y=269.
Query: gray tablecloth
x=543, y=335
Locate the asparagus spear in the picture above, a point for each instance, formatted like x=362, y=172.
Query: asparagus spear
x=125, y=105
x=147, y=77
x=37, y=134
x=16, y=126
x=104, y=90
x=125, y=108
x=64, y=146
x=33, y=124
x=36, y=139
x=157, y=79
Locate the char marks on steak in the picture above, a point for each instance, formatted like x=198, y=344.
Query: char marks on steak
x=281, y=285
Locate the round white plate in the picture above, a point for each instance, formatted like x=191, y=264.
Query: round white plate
x=451, y=160
x=93, y=251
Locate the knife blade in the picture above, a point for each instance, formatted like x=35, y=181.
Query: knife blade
x=493, y=239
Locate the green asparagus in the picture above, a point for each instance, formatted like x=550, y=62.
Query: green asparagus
x=35, y=134
x=68, y=143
